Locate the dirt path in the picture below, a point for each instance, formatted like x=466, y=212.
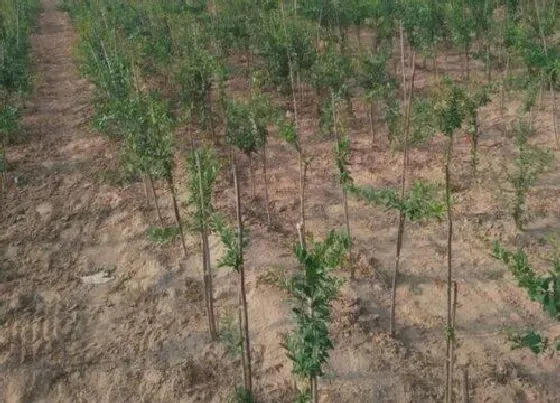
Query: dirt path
x=63, y=340
x=141, y=337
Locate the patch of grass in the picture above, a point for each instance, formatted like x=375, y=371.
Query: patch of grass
x=117, y=177
x=274, y=276
x=162, y=235
x=241, y=395
x=229, y=335
x=494, y=274
x=416, y=289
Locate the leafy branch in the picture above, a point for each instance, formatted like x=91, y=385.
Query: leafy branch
x=420, y=203
x=541, y=288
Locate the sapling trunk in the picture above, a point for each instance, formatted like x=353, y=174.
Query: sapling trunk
x=451, y=357
x=435, y=62
x=4, y=176
x=156, y=202
x=554, y=110
x=146, y=196
x=106, y=58
x=206, y=264
x=370, y=115
x=252, y=176
x=242, y=292
x=402, y=217
x=313, y=383
x=374, y=42
x=344, y=192
x=249, y=73
x=176, y=211
x=210, y=112
x=265, y=175
x=17, y=26
x=359, y=36
x=467, y=66
x=303, y=170
x=241, y=333
x=465, y=386
x=488, y=63
x=474, y=145
x=449, y=259
x=403, y=64
x=302, y=163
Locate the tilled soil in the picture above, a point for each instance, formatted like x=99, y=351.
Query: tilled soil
x=141, y=335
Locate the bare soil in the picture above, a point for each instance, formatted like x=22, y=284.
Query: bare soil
x=142, y=335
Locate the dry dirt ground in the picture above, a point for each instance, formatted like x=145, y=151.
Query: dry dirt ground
x=142, y=335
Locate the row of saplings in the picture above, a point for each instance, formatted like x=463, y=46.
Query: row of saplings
x=313, y=288
x=146, y=127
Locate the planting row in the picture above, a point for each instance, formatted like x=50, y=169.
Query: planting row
x=164, y=69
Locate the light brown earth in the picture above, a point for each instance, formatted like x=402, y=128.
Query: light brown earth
x=141, y=337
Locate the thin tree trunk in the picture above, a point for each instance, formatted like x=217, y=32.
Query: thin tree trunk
x=488, y=63
x=146, y=196
x=400, y=235
x=299, y=87
x=249, y=74
x=554, y=106
x=346, y=215
x=374, y=42
x=370, y=114
x=251, y=177
x=435, y=62
x=210, y=119
x=302, y=163
x=449, y=259
x=474, y=145
x=206, y=264
x=17, y=26
x=503, y=92
x=3, y=179
x=465, y=386
x=313, y=384
x=452, y=347
x=359, y=36
x=156, y=202
x=4, y=173
x=402, y=217
x=241, y=333
x=403, y=64
x=344, y=193
x=176, y=211
x=467, y=66
x=301, y=236
x=243, y=291
x=303, y=170
x=265, y=175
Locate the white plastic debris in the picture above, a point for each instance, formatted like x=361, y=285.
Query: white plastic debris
x=97, y=279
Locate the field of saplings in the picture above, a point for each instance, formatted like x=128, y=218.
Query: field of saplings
x=279, y=201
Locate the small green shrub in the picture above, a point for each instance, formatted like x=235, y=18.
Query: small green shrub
x=241, y=395
x=162, y=235
x=531, y=340
x=541, y=288
x=313, y=289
